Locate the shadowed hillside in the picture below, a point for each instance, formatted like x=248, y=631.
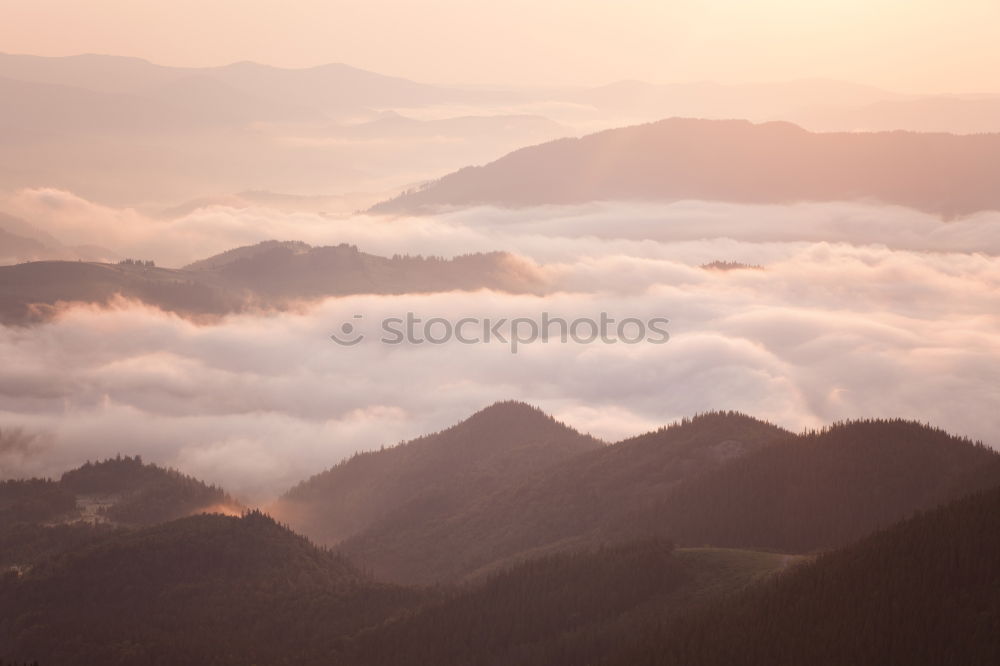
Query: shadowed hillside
x=730, y=160
x=720, y=479
x=561, y=609
x=205, y=589
x=33, y=500
x=580, y=502
x=825, y=489
x=433, y=477
x=121, y=490
x=564, y=545
x=143, y=494
x=41, y=517
x=926, y=591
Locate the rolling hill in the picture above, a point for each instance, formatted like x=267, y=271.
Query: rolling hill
x=204, y=589
x=578, y=503
x=136, y=493
x=121, y=490
x=720, y=479
x=433, y=477
x=269, y=275
x=554, y=548
x=926, y=591
x=730, y=160
x=923, y=591
x=825, y=489
x=41, y=517
x=567, y=608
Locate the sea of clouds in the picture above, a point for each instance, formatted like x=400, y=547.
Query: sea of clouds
x=860, y=311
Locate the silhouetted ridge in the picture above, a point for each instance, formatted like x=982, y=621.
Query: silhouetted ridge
x=586, y=500
x=730, y=160
x=269, y=275
x=431, y=477
x=248, y=253
x=518, y=422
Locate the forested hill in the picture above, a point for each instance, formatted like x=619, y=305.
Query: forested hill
x=926, y=591
x=569, y=608
x=581, y=501
x=205, y=589
x=432, y=477
x=139, y=493
x=721, y=479
x=730, y=160
x=122, y=490
x=826, y=489
x=554, y=549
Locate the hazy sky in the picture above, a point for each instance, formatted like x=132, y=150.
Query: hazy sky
x=905, y=45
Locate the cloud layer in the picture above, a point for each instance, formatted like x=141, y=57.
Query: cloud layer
x=852, y=316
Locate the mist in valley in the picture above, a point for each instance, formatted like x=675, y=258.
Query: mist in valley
x=446, y=334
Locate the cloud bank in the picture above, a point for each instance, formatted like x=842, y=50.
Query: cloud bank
x=867, y=322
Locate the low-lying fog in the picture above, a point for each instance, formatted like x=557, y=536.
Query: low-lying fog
x=859, y=310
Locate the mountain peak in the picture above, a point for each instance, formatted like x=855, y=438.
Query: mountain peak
x=419, y=481
x=514, y=410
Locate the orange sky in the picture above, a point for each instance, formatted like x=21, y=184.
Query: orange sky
x=904, y=45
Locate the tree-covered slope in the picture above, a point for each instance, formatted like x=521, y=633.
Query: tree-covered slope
x=433, y=477
x=926, y=591
x=207, y=589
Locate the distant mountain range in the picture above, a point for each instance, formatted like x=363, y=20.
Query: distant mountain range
x=21, y=242
x=751, y=101
x=241, y=91
x=735, y=161
x=569, y=551
x=126, y=132
x=269, y=275
x=822, y=105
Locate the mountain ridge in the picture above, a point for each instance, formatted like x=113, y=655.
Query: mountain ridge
x=502, y=442
x=728, y=160
x=717, y=479
x=268, y=275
